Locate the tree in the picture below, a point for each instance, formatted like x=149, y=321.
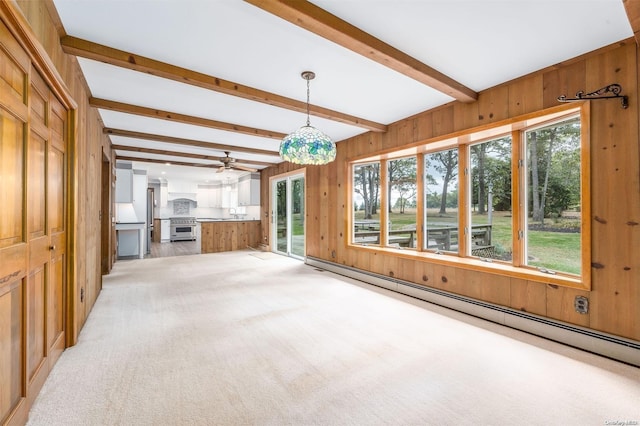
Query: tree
x=366, y=183
x=402, y=178
x=553, y=162
x=491, y=170
x=479, y=153
x=446, y=164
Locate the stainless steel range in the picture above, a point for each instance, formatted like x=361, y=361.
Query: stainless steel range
x=183, y=228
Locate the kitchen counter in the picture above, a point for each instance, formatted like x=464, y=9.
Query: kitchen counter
x=125, y=248
x=217, y=235
x=207, y=219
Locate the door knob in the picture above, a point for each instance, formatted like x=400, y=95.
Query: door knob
x=52, y=247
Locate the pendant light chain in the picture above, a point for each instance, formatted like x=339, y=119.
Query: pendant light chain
x=308, y=121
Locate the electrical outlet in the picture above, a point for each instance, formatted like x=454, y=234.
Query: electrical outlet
x=581, y=304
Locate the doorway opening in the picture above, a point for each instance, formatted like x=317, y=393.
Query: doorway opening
x=288, y=215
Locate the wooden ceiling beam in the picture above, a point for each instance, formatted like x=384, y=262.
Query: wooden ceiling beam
x=632, y=7
x=175, y=163
x=312, y=18
x=188, y=142
x=187, y=155
x=182, y=118
x=119, y=58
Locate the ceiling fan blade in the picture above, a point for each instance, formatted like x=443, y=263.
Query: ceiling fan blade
x=246, y=169
x=220, y=169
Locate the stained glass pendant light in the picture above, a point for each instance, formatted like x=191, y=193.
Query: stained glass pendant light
x=308, y=145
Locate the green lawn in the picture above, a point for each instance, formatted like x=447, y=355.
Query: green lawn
x=558, y=251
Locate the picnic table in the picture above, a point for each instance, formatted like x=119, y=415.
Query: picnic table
x=439, y=236
x=367, y=225
x=400, y=237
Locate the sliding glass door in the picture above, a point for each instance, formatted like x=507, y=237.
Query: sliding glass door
x=288, y=211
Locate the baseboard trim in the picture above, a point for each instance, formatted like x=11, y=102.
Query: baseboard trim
x=604, y=344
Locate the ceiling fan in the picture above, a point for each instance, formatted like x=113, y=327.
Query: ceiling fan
x=228, y=163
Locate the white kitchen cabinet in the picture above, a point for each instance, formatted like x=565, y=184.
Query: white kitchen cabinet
x=209, y=196
x=139, y=197
x=216, y=197
x=230, y=195
x=130, y=239
x=124, y=185
x=182, y=187
x=204, y=197
x=164, y=194
x=165, y=230
x=249, y=191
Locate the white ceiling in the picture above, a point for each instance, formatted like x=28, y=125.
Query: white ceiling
x=479, y=43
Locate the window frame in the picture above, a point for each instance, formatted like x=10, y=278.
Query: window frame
x=462, y=140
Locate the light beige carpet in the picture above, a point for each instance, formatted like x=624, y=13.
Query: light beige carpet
x=239, y=339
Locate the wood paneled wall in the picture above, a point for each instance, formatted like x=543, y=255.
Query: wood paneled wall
x=229, y=235
x=615, y=195
x=85, y=162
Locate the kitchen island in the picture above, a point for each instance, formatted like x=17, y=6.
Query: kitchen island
x=217, y=235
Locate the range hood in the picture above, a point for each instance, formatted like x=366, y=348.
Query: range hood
x=182, y=196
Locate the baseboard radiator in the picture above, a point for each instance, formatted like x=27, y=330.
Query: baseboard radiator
x=604, y=344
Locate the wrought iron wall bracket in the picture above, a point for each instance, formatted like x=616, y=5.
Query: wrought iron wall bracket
x=609, y=92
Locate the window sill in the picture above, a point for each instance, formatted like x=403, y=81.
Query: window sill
x=475, y=264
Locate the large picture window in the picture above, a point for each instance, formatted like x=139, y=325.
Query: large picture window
x=553, y=204
x=511, y=198
x=441, y=201
x=491, y=212
x=366, y=204
x=402, y=198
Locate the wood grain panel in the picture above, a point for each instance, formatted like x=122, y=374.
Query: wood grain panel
x=13, y=266
x=377, y=263
x=156, y=230
x=342, y=203
x=58, y=124
x=528, y=296
x=334, y=207
x=11, y=365
x=525, y=96
x=567, y=81
x=321, y=219
x=56, y=190
x=615, y=191
x=391, y=266
x=229, y=236
x=39, y=105
x=55, y=308
x=442, y=121
x=466, y=116
x=11, y=186
x=423, y=273
x=474, y=284
x=444, y=278
x=36, y=189
x=560, y=305
x=36, y=321
x=491, y=105
x=12, y=87
x=362, y=260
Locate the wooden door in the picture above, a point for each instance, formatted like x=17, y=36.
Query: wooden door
x=33, y=140
x=14, y=67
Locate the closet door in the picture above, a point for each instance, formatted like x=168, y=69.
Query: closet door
x=45, y=233
x=33, y=140
x=14, y=253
